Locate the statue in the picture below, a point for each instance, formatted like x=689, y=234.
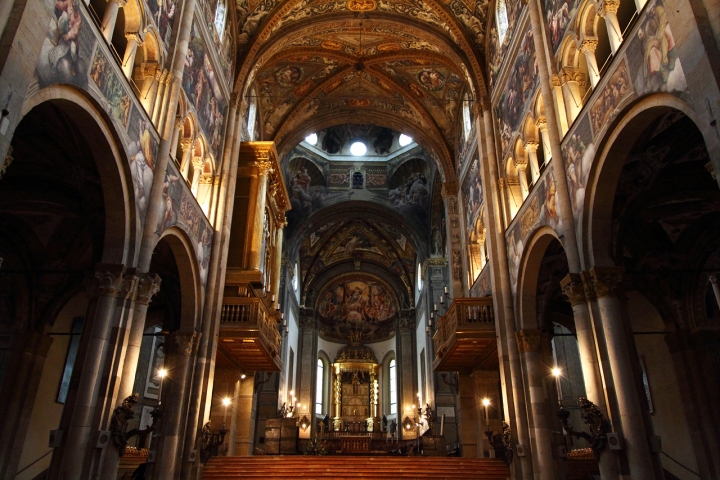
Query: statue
x=393, y=427
x=282, y=412
x=384, y=423
x=119, y=422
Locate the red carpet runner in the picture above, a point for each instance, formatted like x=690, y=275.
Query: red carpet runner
x=337, y=467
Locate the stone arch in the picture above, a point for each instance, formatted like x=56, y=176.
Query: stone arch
x=121, y=222
x=596, y=217
x=528, y=274
x=186, y=260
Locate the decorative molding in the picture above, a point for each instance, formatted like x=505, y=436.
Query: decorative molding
x=528, y=340
x=573, y=288
x=148, y=285
x=107, y=281
x=606, y=280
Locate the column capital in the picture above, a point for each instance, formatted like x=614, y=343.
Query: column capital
x=183, y=343
x=608, y=6
x=186, y=143
x=131, y=279
x=588, y=286
x=573, y=288
x=197, y=162
x=606, y=280
x=520, y=163
x=107, y=281
x=264, y=167
x=555, y=80
x=135, y=36
x=528, y=340
x=531, y=146
x=148, y=286
x=708, y=166
x=541, y=123
x=570, y=74
x=588, y=45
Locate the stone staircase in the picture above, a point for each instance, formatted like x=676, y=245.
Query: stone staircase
x=360, y=467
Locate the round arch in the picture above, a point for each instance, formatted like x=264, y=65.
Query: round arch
x=121, y=219
x=595, y=223
x=189, y=276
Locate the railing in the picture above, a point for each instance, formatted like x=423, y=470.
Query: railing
x=250, y=313
x=464, y=314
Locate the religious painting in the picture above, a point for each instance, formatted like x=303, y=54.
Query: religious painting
x=431, y=79
x=357, y=304
x=615, y=91
x=67, y=47
x=653, y=52
x=202, y=89
x=355, y=242
x=558, y=14
x=472, y=193
x=361, y=5
x=578, y=152
x=409, y=190
x=519, y=90
x=111, y=87
x=163, y=14
x=307, y=189
x=142, y=154
x=287, y=77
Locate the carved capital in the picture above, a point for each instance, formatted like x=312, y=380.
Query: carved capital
x=531, y=146
x=555, y=80
x=107, y=281
x=148, y=286
x=606, y=280
x=520, y=163
x=501, y=183
x=608, y=6
x=588, y=287
x=572, y=75
x=183, y=343
x=130, y=283
x=528, y=340
x=573, y=288
x=541, y=124
x=197, y=162
x=136, y=37
x=264, y=167
x=148, y=70
x=588, y=46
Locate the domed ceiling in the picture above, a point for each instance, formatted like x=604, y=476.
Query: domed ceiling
x=402, y=64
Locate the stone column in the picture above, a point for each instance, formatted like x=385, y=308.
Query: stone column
x=258, y=190
x=541, y=124
x=25, y=364
x=529, y=347
x=306, y=367
x=608, y=10
x=467, y=413
x=243, y=432
x=147, y=286
x=572, y=83
x=406, y=372
x=160, y=100
x=110, y=17
x=521, y=166
x=510, y=369
x=197, y=168
x=106, y=285
x=502, y=186
x=277, y=268
x=134, y=40
x=181, y=350
x=531, y=150
x=605, y=282
x=148, y=86
x=187, y=146
x=558, y=102
x=573, y=289
x=588, y=47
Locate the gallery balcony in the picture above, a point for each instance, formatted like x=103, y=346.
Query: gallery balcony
x=249, y=337
x=465, y=338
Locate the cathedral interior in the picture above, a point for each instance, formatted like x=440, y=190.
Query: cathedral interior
x=246, y=230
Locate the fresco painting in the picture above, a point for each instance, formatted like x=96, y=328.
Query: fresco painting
x=519, y=90
x=412, y=197
x=578, y=153
x=497, y=50
x=356, y=304
x=559, y=13
x=616, y=90
x=104, y=76
x=355, y=242
x=67, y=47
x=162, y=13
x=472, y=193
x=653, y=48
x=142, y=154
x=202, y=89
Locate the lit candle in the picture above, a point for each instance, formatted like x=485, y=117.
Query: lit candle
x=486, y=403
x=162, y=372
x=556, y=373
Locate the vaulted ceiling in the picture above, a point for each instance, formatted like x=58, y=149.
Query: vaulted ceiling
x=401, y=64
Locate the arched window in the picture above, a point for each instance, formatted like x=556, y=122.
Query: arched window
x=220, y=17
x=252, y=113
x=502, y=20
x=393, y=387
x=419, y=277
x=319, y=383
x=467, y=122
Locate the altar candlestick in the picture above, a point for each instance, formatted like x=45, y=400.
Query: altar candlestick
x=486, y=404
x=556, y=373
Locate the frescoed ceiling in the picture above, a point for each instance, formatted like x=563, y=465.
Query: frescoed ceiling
x=402, y=64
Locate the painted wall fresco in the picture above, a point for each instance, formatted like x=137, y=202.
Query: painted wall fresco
x=307, y=189
x=482, y=287
x=71, y=54
x=519, y=90
x=559, y=14
x=540, y=208
x=357, y=304
x=182, y=211
x=496, y=50
x=650, y=64
x=162, y=14
x=203, y=90
x=409, y=190
x=472, y=193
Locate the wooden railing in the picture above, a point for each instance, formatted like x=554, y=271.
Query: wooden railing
x=464, y=315
x=250, y=313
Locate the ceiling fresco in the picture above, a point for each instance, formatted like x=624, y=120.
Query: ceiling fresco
x=402, y=64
